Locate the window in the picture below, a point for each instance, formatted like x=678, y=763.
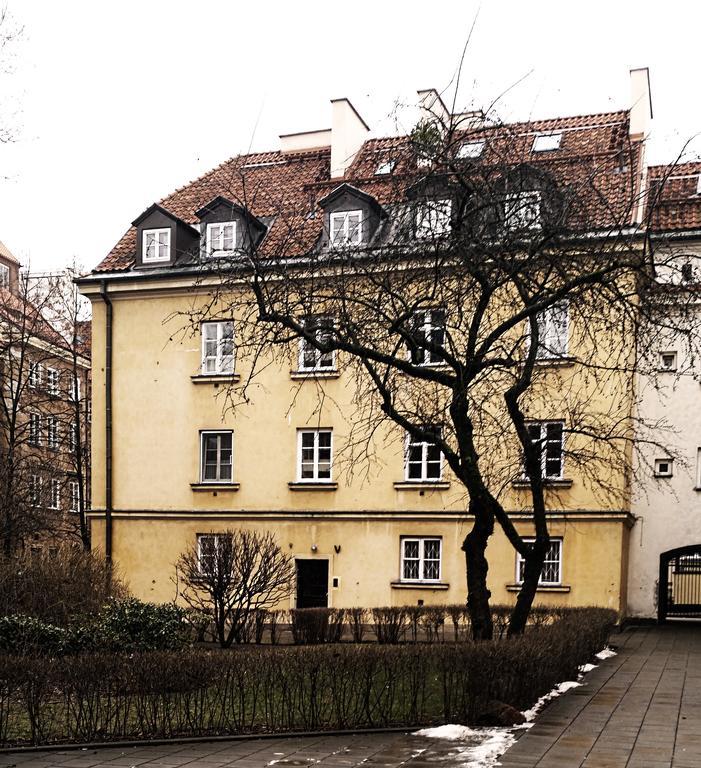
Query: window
x=470, y=149
x=546, y=142
x=34, y=375
x=346, y=227
x=549, y=438
x=4, y=276
x=34, y=429
x=221, y=239
x=421, y=559
x=55, y=502
x=433, y=218
x=75, y=389
x=35, y=490
x=428, y=329
x=218, y=348
x=687, y=272
x=213, y=551
x=668, y=361
x=52, y=381
x=155, y=245
x=552, y=565
x=698, y=185
x=314, y=453
x=553, y=330
x=216, y=457
x=311, y=358
x=423, y=460
x=385, y=167
x=52, y=432
x=522, y=210
x=663, y=467
x=74, y=491
x=73, y=437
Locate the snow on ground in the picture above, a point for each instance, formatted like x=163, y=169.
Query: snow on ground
x=489, y=744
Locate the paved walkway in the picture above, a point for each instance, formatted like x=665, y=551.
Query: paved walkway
x=639, y=709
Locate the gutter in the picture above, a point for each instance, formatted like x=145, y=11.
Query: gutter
x=108, y=422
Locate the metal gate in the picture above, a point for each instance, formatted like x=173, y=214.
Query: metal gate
x=680, y=583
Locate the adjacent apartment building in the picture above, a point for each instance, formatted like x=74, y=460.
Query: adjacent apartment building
x=172, y=465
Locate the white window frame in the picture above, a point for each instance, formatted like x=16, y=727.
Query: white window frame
x=217, y=537
x=544, y=446
x=156, y=258
x=4, y=276
x=547, y=142
x=425, y=322
x=660, y=472
x=35, y=375
x=213, y=240
x=219, y=480
x=52, y=438
x=470, y=149
x=522, y=211
x=348, y=238
x=422, y=560
x=74, y=496
x=553, y=337
x=555, y=541
x=75, y=389
x=35, y=490
x=34, y=430
x=410, y=442
x=433, y=218
x=73, y=436
x=52, y=381
x=385, y=167
x=55, y=494
x=219, y=368
x=323, y=361
x=315, y=459
x=673, y=364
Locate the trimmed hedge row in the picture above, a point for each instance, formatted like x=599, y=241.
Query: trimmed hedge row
x=267, y=689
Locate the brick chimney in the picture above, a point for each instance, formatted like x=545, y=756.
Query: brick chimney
x=348, y=133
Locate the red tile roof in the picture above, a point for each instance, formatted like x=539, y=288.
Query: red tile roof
x=675, y=203
x=288, y=186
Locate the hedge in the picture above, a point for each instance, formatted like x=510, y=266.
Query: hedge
x=270, y=689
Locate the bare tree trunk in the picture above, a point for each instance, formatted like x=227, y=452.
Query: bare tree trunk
x=475, y=546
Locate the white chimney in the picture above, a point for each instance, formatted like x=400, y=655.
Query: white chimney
x=348, y=133
x=432, y=106
x=299, y=142
x=641, y=103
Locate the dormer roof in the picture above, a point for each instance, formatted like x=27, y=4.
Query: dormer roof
x=349, y=189
x=156, y=207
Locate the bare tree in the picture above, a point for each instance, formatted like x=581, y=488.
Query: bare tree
x=489, y=314
x=230, y=575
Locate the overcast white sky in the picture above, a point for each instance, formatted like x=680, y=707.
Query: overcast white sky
x=121, y=102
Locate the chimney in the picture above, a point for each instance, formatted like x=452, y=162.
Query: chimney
x=300, y=142
x=348, y=133
x=641, y=103
x=432, y=106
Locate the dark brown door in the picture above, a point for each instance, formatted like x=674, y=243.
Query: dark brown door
x=312, y=583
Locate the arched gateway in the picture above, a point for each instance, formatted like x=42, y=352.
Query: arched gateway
x=680, y=584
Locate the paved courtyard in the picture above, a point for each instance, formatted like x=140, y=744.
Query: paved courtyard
x=639, y=709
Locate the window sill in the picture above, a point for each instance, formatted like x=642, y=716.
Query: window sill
x=563, y=483
x=560, y=588
x=555, y=362
x=422, y=485
x=320, y=374
x=302, y=486
x=214, y=487
x=215, y=378
x=437, y=585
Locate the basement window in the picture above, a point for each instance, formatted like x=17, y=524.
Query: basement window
x=663, y=467
x=546, y=142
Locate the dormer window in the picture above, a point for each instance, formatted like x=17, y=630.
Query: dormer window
x=433, y=218
x=156, y=245
x=346, y=228
x=470, y=149
x=4, y=276
x=698, y=185
x=221, y=239
x=522, y=211
x=546, y=142
x=385, y=167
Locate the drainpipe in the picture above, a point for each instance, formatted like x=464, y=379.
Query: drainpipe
x=108, y=422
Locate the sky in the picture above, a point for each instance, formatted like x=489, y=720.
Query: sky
x=114, y=104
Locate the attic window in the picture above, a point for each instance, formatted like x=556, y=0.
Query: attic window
x=346, y=228
x=221, y=239
x=433, y=218
x=385, y=167
x=698, y=185
x=546, y=142
x=470, y=149
x=155, y=245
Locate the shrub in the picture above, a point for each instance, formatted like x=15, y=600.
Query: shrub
x=57, y=587
x=131, y=625
x=311, y=626
x=265, y=689
x=389, y=623
x=357, y=618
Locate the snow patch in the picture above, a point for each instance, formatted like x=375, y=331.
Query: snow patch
x=450, y=732
x=607, y=653
x=488, y=744
x=586, y=668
